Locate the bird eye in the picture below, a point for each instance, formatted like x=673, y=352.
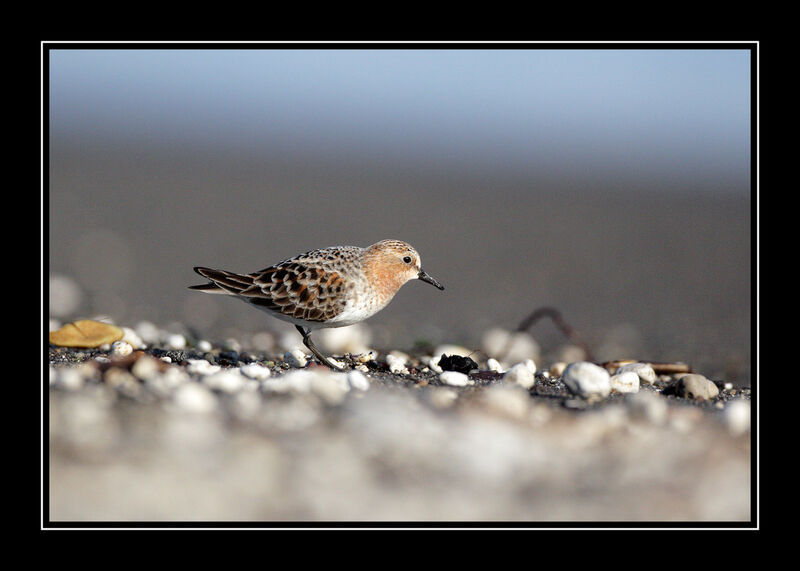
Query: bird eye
x=407, y=259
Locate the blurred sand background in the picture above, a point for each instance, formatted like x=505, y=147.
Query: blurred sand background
x=622, y=200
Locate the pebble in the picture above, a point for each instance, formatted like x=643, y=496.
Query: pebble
x=625, y=382
x=737, y=417
x=147, y=332
x=297, y=381
x=494, y=365
x=454, y=378
x=124, y=382
x=295, y=358
x=645, y=372
x=166, y=381
x=397, y=363
x=71, y=378
x=507, y=400
x=227, y=380
x=65, y=295
x=370, y=355
x=587, y=380
x=201, y=367
x=145, y=367
x=132, y=338
x=508, y=346
x=358, y=380
x=352, y=339
x=571, y=354
x=443, y=397
x=231, y=344
x=175, y=341
x=521, y=374
x=246, y=404
x=263, y=341
x=330, y=386
x=194, y=398
x=433, y=363
x=255, y=371
x=648, y=406
x=204, y=346
x=557, y=368
x=697, y=387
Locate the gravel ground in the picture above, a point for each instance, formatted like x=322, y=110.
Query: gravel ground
x=204, y=433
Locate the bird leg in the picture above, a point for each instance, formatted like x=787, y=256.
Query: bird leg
x=313, y=348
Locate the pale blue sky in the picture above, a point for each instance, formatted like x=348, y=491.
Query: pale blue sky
x=681, y=109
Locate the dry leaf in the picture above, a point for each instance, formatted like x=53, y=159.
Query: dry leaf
x=86, y=333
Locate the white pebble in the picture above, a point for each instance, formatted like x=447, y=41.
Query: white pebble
x=330, y=386
x=697, y=387
x=454, y=378
x=121, y=348
x=521, y=374
x=644, y=371
x=510, y=346
x=587, y=379
x=132, y=338
x=226, y=380
x=352, y=339
x=65, y=295
x=255, y=371
x=367, y=356
x=494, y=365
x=70, y=378
x=147, y=332
x=649, y=406
x=246, y=404
x=625, y=382
x=358, y=380
x=195, y=398
x=295, y=358
x=201, y=367
x=433, y=363
x=737, y=416
x=571, y=354
x=166, y=381
x=397, y=363
x=232, y=344
x=145, y=367
x=297, y=381
x=204, y=346
x=507, y=400
x=442, y=397
x=175, y=341
x=557, y=369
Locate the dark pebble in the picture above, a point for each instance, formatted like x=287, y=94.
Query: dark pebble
x=457, y=363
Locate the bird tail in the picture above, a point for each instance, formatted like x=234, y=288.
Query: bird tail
x=221, y=281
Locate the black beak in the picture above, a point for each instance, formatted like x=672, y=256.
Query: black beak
x=426, y=278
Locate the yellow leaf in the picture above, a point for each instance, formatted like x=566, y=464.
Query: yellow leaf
x=86, y=333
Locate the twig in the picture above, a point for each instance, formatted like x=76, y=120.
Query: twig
x=562, y=325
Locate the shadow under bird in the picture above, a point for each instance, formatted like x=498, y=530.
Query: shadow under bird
x=330, y=287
